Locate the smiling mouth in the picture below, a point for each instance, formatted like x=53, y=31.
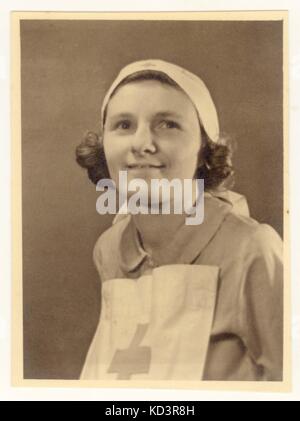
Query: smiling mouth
x=144, y=166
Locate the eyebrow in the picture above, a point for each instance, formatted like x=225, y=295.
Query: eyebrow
x=168, y=114
x=164, y=114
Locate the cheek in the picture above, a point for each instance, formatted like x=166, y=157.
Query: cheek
x=114, y=151
x=187, y=150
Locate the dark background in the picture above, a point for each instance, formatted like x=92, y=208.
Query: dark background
x=66, y=68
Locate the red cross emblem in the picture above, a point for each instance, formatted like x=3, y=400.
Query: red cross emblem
x=133, y=360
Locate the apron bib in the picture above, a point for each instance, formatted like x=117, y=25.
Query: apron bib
x=156, y=327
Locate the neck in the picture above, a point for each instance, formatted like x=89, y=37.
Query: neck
x=157, y=230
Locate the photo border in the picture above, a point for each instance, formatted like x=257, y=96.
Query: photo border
x=17, y=292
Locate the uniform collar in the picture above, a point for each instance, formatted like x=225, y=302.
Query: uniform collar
x=188, y=242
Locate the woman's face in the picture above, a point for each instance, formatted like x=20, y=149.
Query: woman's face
x=151, y=131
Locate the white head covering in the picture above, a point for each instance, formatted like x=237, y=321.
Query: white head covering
x=191, y=84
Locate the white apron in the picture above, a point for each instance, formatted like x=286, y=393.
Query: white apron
x=156, y=327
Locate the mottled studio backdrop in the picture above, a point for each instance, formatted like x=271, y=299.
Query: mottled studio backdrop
x=66, y=67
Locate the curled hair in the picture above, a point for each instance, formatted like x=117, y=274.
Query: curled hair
x=214, y=160
x=215, y=163
x=90, y=155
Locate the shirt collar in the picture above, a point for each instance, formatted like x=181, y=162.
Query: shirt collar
x=188, y=242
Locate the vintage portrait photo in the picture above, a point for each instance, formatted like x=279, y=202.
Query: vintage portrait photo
x=150, y=156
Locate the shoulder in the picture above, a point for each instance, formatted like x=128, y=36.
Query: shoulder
x=251, y=261
x=108, y=242
x=248, y=252
x=250, y=236
x=240, y=227
x=238, y=231
x=254, y=255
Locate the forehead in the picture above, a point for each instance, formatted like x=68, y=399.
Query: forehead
x=150, y=96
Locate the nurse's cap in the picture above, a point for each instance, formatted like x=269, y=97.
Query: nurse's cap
x=191, y=84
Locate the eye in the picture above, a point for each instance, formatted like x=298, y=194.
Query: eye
x=169, y=124
x=123, y=125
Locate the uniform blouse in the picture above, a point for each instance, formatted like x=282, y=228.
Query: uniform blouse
x=212, y=309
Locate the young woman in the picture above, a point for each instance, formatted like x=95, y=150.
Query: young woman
x=184, y=302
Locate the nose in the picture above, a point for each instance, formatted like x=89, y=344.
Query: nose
x=143, y=141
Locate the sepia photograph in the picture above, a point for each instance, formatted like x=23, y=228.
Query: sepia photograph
x=151, y=243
